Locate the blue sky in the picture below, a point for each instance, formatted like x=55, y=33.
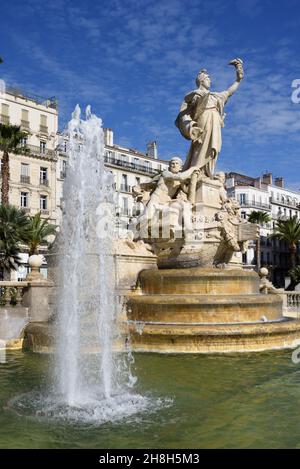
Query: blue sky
x=134, y=60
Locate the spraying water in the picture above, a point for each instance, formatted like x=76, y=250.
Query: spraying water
x=92, y=382
x=87, y=298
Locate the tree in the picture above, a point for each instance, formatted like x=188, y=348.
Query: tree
x=295, y=277
x=13, y=228
x=38, y=231
x=10, y=141
x=258, y=218
x=289, y=232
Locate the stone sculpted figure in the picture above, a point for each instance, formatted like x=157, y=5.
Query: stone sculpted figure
x=201, y=119
x=168, y=187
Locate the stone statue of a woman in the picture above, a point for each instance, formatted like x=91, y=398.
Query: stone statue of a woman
x=201, y=118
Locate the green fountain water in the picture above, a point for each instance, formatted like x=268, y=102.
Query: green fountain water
x=224, y=401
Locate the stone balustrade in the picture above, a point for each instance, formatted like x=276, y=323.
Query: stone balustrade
x=293, y=300
x=11, y=293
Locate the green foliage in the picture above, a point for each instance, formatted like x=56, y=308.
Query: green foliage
x=13, y=228
x=38, y=231
x=288, y=231
x=11, y=138
x=259, y=218
x=295, y=274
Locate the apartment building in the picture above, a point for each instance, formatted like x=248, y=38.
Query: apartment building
x=267, y=194
x=32, y=175
x=130, y=167
x=37, y=176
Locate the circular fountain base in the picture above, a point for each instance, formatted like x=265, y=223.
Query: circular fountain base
x=199, y=310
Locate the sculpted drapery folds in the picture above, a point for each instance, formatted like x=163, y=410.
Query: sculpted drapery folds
x=201, y=119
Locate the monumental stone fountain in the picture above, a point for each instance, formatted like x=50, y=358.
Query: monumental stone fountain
x=200, y=299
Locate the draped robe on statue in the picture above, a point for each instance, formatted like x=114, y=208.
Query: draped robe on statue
x=203, y=109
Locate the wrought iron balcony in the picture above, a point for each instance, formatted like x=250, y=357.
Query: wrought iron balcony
x=286, y=203
x=44, y=182
x=25, y=179
x=24, y=125
x=116, y=162
x=125, y=188
x=44, y=211
x=34, y=150
x=4, y=119
x=254, y=204
x=44, y=129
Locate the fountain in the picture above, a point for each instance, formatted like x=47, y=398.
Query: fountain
x=200, y=300
x=92, y=376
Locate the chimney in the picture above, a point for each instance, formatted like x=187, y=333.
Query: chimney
x=152, y=150
x=257, y=183
x=108, y=137
x=279, y=182
x=267, y=178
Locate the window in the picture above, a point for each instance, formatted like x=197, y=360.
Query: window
x=24, y=199
x=25, y=173
x=43, y=175
x=136, y=161
x=43, y=202
x=4, y=113
x=43, y=124
x=243, y=215
x=242, y=199
x=63, y=170
x=25, y=118
x=24, y=142
x=244, y=258
x=137, y=180
x=125, y=206
x=43, y=147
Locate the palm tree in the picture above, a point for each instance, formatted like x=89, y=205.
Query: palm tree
x=13, y=227
x=258, y=218
x=295, y=277
x=10, y=141
x=289, y=232
x=38, y=231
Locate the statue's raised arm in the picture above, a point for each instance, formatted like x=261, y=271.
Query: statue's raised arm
x=201, y=118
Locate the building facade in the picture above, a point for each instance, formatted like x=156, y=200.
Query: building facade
x=268, y=195
x=37, y=176
x=33, y=175
x=129, y=167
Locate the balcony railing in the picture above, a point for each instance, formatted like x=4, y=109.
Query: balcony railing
x=63, y=174
x=44, y=211
x=287, y=203
x=24, y=125
x=130, y=166
x=43, y=129
x=34, y=150
x=25, y=209
x=48, y=102
x=4, y=119
x=25, y=179
x=125, y=188
x=44, y=182
x=249, y=203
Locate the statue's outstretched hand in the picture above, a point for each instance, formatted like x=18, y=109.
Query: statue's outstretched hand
x=238, y=64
